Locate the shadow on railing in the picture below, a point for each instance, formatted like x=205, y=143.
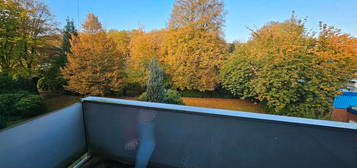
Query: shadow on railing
x=177, y=136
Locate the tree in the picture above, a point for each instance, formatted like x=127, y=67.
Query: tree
x=194, y=58
x=11, y=15
x=67, y=33
x=26, y=40
x=155, y=88
x=336, y=56
x=122, y=38
x=289, y=70
x=195, y=49
x=238, y=72
x=202, y=14
x=95, y=67
x=35, y=28
x=144, y=47
x=52, y=79
x=92, y=24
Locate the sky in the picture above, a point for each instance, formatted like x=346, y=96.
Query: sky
x=154, y=14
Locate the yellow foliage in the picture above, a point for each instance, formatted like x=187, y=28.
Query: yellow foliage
x=143, y=48
x=201, y=14
x=336, y=53
x=95, y=67
x=122, y=39
x=194, y=58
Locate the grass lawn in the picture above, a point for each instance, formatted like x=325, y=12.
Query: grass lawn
x=58, y=101
x=221, y=103
x=55, y=101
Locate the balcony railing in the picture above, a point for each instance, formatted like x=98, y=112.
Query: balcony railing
x=176, y=136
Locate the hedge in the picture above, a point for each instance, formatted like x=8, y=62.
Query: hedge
x=9, y=85
x=19, y=105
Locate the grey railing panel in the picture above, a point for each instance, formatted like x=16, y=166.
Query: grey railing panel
x=52, y=140
x=199, y=137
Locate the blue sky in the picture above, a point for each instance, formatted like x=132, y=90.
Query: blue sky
x=154, y=14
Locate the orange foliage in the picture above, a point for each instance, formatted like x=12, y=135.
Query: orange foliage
x=143, y=48
x=95, y=67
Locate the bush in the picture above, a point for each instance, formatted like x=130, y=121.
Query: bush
x=171, y=97
x=9, y=85
x=19, y=105
x=51, y=84
x=30, y=105
x=143, y=97
x=133, y=89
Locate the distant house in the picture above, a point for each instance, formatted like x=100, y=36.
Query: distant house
x=345, y=107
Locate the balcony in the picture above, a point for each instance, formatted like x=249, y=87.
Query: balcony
x=99, y=131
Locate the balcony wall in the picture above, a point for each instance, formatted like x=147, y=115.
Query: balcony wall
x=200, y=137
x=54, y=140
x=180, y=136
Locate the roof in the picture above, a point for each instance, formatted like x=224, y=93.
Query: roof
x=346, y=100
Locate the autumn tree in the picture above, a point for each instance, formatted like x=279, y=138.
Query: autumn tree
x=122, y=39
x=195, y=48
x=95, y=67
x=11, y=15
x=144, y=47
x=202, y=14
x=336, y=56
x=289, y=70
x=239, y=70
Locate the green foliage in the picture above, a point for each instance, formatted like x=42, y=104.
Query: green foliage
x=30, y=105
x=19, y=105
x=171, y=97
x=52, y=79
x=143, y=97
x=51, y=83
x=155, y=91
x=238, y=72
x=67, y=33
x=155, y=88
x=9, y=85
x=11, y=15
x=289, y=70
x=133, y=89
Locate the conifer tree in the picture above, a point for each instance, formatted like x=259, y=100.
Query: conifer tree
x=67, y=33
x=155, y=87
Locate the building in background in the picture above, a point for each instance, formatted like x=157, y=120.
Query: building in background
x=345, y=107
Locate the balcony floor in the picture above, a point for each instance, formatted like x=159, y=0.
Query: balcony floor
x=105, y=163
